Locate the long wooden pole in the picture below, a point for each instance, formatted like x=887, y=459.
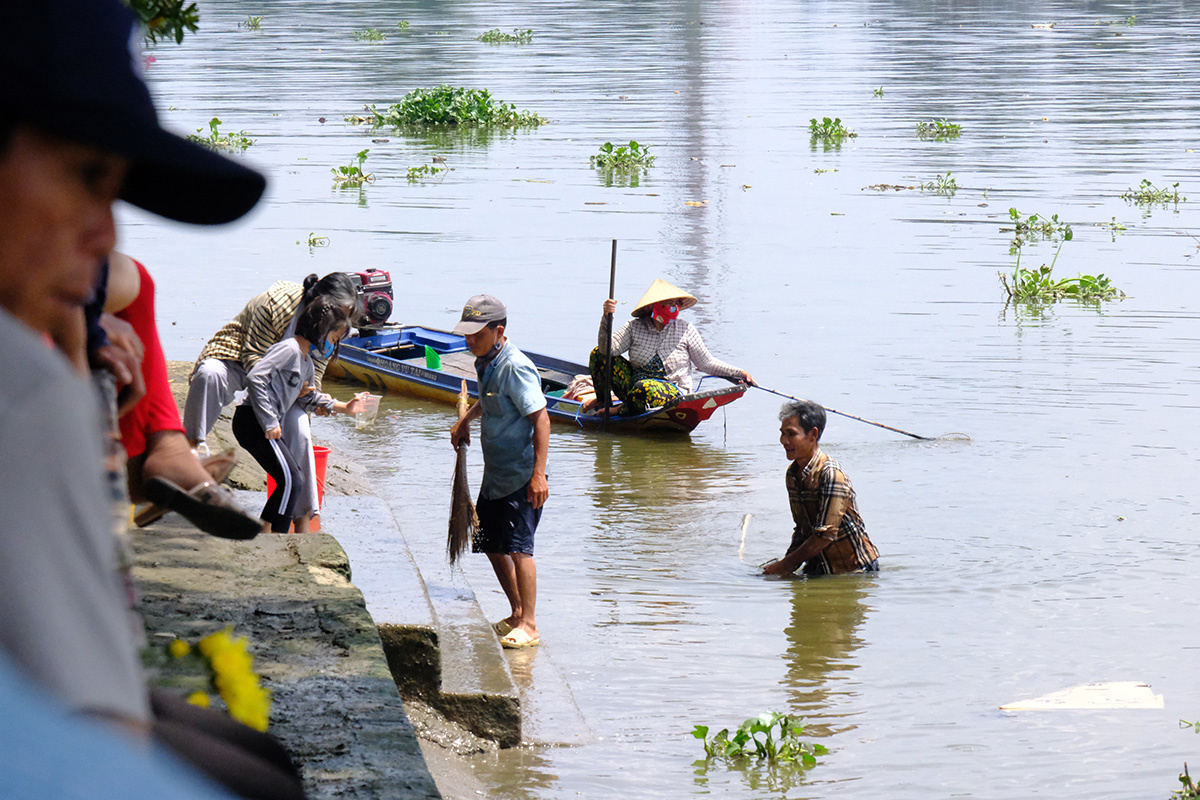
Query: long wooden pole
x=604, y=391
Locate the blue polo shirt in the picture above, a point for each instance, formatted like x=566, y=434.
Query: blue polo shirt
x=510, y=390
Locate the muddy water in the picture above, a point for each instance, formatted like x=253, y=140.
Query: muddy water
x=1053, y=549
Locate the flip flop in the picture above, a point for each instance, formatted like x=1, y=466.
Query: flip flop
x=209, y=507
x=502, y=627
x=518, y=639
x=218, y=466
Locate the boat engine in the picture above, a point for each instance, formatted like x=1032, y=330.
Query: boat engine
x=375, y=288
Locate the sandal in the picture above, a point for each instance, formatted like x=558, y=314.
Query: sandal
x=218, y=466
x=209, y=507
x=519, y=639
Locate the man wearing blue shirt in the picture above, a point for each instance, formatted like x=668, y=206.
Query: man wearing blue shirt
x=515, y=436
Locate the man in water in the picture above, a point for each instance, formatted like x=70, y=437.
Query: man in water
x=830, y=537
x=515, y=436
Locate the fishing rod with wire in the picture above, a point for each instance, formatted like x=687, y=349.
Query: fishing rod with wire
x=955, y=436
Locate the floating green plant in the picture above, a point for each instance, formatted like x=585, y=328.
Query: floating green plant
x=1036, y=286
x=941, y=184
x=218, y=141
x=938, y=129
x=251, y=23
x=1130, y=20
x=496, y=36
x=773, y=737
x=632, y=156
x=353, y=175
x=419, y=174
x=1035, y=227
x=402, y=25
x=1148, y=194
x=829, y=130
x=315, y=241
x=369, y=35
x=450, y=106
x=877, y=92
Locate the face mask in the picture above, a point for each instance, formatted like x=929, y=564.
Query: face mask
x=325, y=352
x=664, y=312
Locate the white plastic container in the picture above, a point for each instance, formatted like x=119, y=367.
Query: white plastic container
x=364, y=418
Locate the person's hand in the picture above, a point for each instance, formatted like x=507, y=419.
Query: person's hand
x=539, y=490
x=357, y=404
x=122, y=356
x=275, y=433
x=322, y=411
x=122, y=334
x=746, y=377
x=610, y=306
x=775, y=568
x=460, y=433
x=306, y=390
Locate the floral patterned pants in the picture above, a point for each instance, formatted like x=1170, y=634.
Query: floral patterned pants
x=638, y=388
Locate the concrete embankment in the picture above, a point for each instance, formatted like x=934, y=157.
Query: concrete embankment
x=391, y=706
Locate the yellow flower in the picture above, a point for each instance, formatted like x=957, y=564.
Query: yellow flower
x=178, y=648
x=199, y=699
x=235, y=679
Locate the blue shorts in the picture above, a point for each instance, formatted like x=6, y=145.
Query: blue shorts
x=506, y=524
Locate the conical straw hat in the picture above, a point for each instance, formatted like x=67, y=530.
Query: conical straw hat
x=659, y=291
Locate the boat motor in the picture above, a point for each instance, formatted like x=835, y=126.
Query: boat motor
x=375, y=288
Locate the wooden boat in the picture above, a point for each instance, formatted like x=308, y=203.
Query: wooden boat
x=431, y=363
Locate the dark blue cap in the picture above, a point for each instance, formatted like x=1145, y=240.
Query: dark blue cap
x=73, y=68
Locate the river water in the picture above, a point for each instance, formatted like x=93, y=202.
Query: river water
x=1055, y=548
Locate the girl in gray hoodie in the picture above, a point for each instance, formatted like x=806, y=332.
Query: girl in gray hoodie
x=282, y=378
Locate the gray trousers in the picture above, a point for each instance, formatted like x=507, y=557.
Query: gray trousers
x=215, y=385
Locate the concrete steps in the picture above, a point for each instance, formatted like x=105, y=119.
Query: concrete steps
x=442, y=649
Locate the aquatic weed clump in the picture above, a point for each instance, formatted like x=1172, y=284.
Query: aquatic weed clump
x=449, y=106
x=496, y=36
x=220, y=141
x=938, y=130
x=773, y=737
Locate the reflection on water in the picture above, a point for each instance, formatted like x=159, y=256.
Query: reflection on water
x=822, y=638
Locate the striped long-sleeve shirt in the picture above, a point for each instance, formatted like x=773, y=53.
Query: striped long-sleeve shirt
x=678, y=345
x=263, y=322
x=823, y=505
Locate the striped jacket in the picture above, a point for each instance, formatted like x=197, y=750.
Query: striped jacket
x=823, y=505
x=263, y=322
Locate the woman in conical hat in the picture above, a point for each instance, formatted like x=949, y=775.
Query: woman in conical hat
x=662, y=351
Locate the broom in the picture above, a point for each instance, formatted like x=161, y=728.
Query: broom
x=463, y=520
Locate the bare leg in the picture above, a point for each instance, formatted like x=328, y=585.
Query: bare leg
x=301, y=522
x=526, y=579
x=506, y=573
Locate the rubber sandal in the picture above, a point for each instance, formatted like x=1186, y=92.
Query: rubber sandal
x=218, y=467
x=502, y=628
x=209, y=507
x=519, y=639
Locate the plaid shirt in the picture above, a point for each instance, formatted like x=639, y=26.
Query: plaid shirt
x=263, y=322
x=823, y=505
x=678, y=345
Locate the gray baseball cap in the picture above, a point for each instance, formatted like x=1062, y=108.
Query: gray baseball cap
x=478, y=312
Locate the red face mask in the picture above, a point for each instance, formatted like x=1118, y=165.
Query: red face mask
x=665, y=312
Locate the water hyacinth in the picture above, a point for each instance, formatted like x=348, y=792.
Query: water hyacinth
x=450, y=106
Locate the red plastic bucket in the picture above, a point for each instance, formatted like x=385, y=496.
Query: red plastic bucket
x=321, y=459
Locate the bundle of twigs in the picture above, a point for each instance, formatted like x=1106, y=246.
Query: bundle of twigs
x=463, y=519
